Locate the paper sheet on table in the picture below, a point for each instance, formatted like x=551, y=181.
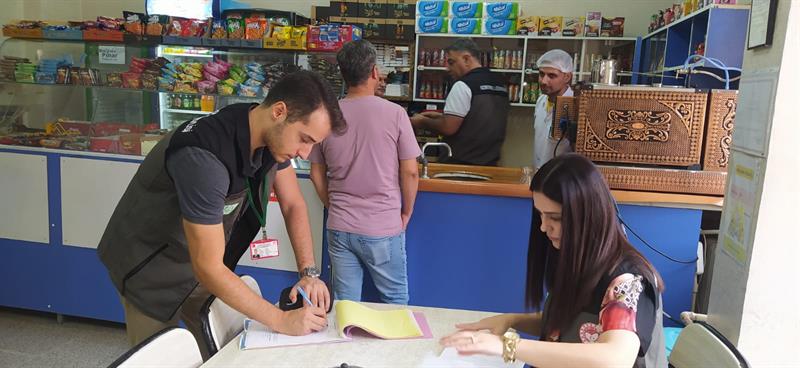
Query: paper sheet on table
x=256, y=336
x=450, y=358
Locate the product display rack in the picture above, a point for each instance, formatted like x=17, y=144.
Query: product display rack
x=717, y=31
x=523, y=78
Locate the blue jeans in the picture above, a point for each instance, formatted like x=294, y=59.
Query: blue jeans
x=383, y=256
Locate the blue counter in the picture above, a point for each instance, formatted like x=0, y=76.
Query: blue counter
x=464, y=251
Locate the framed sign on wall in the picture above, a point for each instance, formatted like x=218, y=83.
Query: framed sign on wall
x=762, y=23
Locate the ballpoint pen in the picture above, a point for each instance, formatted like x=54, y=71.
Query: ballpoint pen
x=305, y=296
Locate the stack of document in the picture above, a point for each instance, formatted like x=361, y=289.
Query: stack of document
x=346, y=318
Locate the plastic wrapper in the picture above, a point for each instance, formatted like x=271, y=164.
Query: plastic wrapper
x=110, y=24
x=235, y=26
x=75, y=75
x=184, y=87
x=210, y=77
x=260, y=78
x=156, y=24
x=45, y=78
x=218, y=29
x=215, y=69
x=225, y=89
x=206, y=87
x=62, y=76
x=255, y=28
x=166, y=84
x=149, y=81
x=131, y=80
x=249, y=91
x=134, y=22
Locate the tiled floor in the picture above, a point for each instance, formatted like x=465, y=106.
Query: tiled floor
x=34, y=339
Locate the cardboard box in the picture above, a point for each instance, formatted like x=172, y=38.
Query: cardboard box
x=573, y=26
x=504, y=10
x=104, y=144
x=374, y=29
x=287, y=38
x=498, y=27
x=433, y=8
x=550, y=26
x=331, y=37
x=401, y=9
x=344, y=9
x=593, y=23
x=431, y=24
x=528, y=25
x=400, y=29
x=612, y=27
x=372, y=9
x=466, y=9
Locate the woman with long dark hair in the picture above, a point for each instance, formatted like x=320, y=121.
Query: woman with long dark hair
x=597, y=299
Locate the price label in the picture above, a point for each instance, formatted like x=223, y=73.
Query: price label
x=112, y=54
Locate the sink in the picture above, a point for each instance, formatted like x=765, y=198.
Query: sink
x=461, y=175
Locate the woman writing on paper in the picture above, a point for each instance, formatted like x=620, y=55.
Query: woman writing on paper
x=602, y=301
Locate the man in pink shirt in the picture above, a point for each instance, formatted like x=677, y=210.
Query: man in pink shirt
x=367, y=178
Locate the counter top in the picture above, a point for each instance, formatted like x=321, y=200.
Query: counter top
x=508, y=182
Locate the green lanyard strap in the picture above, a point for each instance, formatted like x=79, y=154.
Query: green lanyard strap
x=264, y=201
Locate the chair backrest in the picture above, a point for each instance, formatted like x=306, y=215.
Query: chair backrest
x=700, y=345
x=220, y=322
x=170, y=347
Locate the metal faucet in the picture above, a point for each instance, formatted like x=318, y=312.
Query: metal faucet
x=424, y=160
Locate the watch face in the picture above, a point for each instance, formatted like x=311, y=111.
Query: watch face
x=311, y=271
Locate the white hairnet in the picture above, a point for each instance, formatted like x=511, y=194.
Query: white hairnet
x=556, y=59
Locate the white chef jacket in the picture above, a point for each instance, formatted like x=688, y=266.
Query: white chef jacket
x=543, y=145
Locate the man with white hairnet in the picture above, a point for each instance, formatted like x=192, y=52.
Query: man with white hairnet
x=555, y=74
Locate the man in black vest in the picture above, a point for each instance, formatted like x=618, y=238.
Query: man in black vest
x=198, y=200
x=475, y=111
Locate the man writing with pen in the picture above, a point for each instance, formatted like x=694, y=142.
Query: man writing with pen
x=200, y=198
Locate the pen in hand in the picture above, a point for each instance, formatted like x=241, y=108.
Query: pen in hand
x=305, y=296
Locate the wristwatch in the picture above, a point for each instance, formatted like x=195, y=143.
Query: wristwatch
x=311, y=271
x=510, y=341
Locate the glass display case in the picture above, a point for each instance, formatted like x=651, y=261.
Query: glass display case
x=121, y=98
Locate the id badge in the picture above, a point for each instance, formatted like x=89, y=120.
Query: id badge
x=264, y=248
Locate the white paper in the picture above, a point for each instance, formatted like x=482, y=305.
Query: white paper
x=754, y=111
x=257, y=336
x=111, y=54
x=450, y=358
x=759, y=20
x=741, y=205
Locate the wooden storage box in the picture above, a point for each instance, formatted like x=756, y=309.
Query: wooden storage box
x=664, y=180
x=648, y=126
x=721, y=115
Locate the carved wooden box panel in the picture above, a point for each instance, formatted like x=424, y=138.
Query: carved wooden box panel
x=664, y=180
x=721, y=115
x=565, y=105
x=652, y=127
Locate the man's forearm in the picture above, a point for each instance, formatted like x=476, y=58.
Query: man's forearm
x=296, y=219
x=409, y=182
x=223, y=283
x=434, y=124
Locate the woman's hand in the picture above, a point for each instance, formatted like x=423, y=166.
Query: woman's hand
x=497, y=325
x=474, y=342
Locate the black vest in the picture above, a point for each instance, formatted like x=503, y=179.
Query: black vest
x=144, y=247
x=481, y=136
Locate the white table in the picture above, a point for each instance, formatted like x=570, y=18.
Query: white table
x=362, y=352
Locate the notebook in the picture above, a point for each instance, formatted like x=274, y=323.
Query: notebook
x=345, y=321
x=384, y=324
